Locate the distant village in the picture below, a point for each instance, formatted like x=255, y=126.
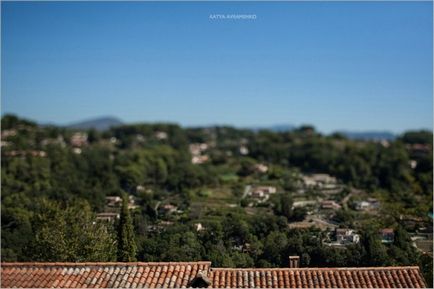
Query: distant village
x=320, y=194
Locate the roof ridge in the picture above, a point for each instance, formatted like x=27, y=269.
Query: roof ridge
x=196, y=262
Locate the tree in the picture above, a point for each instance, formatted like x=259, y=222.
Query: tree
x=129, y=176
x=298, y=214
x=283, y=205
x=275, y=246
x=246, y=167
x=421, y=136
x=160, y=171
x=126, y=243
x=375, y=253
x=70, y=233
x=10, y=121
x=16, y=231
x=402, y=250
x=344, y=216
x=426, y=264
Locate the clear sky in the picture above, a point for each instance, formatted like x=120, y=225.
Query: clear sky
x=336, y=65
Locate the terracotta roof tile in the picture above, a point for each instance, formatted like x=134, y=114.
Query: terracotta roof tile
x=99, y=275
x=375, y=277
x=180, y=274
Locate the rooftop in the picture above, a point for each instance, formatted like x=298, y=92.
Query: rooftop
x=185, y=274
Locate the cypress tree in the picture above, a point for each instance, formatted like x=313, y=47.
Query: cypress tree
x=126, y=243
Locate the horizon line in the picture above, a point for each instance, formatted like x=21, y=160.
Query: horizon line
x=290, y=126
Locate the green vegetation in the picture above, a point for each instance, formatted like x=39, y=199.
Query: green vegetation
x=127, y=248
x=55, y=181
x=69, y=234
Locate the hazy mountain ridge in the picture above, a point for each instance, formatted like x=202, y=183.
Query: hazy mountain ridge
x=104, y=123
x=274, y=128
x=99, y=123
x=369, y=135
x=356, y=135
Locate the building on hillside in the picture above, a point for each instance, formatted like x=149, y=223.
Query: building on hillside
x=368, y=205
x=346, y=236
x=260, y=168
x=107, y=216
x=244, y=150
x=414, y=222
x=330, y=205
x=197, y=151
x=140, y=189
x=198, y=148
x=7, y=133
x=261, y=193
x=266, y=189
x=412, y=163
x=199, y=227
x=201, y=274
x=167, y=209
x=319, y=181
x=78, y=139
x=423, y=242
x=115, y=202
x=304, y=203
x=161, y=135
x=387, y=235
x=59, y=140
x=132, y=202
x=419, y=149
x=159, y=227
x=424, y=245
x=197, y=160
x=362, y=205
x=77, y=151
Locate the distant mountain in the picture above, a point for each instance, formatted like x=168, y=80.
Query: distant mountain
x=282, y=127
x=275, y=128
x=100, y=123
x=369, y=135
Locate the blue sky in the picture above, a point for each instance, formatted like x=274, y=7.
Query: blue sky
x=336, y=65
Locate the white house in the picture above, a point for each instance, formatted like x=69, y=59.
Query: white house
x=346, y=236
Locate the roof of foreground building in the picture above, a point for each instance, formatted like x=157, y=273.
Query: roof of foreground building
x=201, y=274
x=371, y=277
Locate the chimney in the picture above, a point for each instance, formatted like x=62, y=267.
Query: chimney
x=294, y=261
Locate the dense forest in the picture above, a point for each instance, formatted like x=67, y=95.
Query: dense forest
x=189, y=189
